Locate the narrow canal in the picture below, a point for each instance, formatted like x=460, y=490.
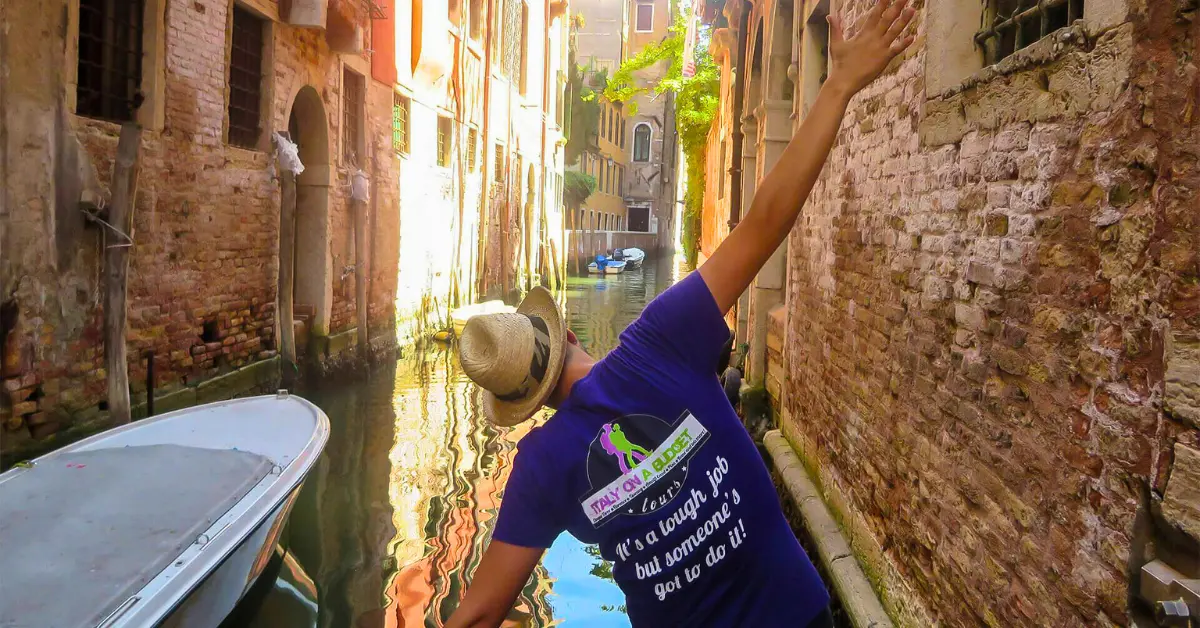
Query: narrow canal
x=393, y=522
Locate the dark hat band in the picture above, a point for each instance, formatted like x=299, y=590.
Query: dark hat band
x=537, y=365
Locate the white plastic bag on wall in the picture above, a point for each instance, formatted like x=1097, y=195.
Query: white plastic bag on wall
x=360, y=186
x=288, y=154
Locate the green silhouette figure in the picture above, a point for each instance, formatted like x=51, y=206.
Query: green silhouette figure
x=627, y=453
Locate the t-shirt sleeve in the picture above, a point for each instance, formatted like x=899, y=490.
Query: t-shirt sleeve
x=527, y=519
x=686, y=322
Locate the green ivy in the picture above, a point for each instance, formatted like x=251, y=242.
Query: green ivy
x=585, y=109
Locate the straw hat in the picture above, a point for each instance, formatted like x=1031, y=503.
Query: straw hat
x=515, y=358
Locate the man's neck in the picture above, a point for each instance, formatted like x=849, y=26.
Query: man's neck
x=578, y=365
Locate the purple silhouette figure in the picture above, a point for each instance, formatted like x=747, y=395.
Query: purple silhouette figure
x=615, y=444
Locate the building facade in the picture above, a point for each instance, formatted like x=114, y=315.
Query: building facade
x=479, y=117
x=651, y=138
x=981, y=335
x=210, y=82
x=605, y=160
x=633, y=156
x=449, y=112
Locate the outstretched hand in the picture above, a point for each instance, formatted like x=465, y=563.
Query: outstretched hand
x=861, y=59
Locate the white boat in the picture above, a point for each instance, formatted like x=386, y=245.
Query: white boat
x=611, y=267
x=633, y=257
x=463, y=314
x=163, y=522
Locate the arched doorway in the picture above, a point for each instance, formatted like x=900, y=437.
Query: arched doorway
x=312, y=294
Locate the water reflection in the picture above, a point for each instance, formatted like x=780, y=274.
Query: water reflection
x=393, y=521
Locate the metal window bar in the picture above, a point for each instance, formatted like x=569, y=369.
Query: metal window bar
x=472, y=149
x=245, y=79
x=511, y=62
x=443, y=142
x=352, y=104
x=109, y=79
x=400, y=123
x=1017, y=24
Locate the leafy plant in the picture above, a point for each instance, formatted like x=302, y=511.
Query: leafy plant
x=577, y=187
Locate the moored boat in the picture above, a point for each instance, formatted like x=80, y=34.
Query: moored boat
x=463, y=314
x=167, y=521
x=606, y=266
x=633, y=257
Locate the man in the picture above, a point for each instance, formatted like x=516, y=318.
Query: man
x=644, y=455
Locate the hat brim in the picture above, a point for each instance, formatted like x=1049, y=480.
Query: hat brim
x=539, y=302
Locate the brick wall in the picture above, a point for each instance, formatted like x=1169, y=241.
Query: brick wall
x=203, y=271
x=990, y=283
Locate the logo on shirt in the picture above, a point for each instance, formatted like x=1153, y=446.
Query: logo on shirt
x=638, y=464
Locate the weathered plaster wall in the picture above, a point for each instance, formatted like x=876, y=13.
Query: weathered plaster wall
x=205, y=227
x=995, y=306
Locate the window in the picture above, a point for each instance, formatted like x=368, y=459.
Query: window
x=473, y=149
x=512, y=52
x=524, y=78
x=445, y=140
x=644, y=18
x=814, y=60
x=245, y=78
x=1017, y=24
x=612, y=128
x=620, y=180
x=400, y=128
x=352, y=106
x=641, y=142
x=498, y=165
x=622, y=132
x=601, y=186
x=600, y=122
x=110, y=59
x=475, y=19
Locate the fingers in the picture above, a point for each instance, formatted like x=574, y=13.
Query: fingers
x=873, y=17
x=888, y=17
x=837, y=35
x=900, y=23
x=901, y=45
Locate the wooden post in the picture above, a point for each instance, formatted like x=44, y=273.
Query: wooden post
x=573, y=247
x=287, y=271
x=116, y=269
x=373, y=229
x=360, y=275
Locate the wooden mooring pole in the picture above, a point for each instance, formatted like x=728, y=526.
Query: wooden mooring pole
x=358, y=195
x=116, y=269
x=287, y=271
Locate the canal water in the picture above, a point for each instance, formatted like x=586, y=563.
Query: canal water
x=392, y=523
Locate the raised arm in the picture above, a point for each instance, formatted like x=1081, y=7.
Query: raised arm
x=856, y=62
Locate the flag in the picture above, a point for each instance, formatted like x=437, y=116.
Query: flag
x=689, y=42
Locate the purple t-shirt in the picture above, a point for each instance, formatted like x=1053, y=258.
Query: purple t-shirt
x=647, y=459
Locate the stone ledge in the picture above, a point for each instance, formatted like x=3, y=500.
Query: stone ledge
x=858, y=599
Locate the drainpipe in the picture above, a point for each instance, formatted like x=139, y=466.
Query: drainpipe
x=545, y=107
x=484, y=188
x=735, y=168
